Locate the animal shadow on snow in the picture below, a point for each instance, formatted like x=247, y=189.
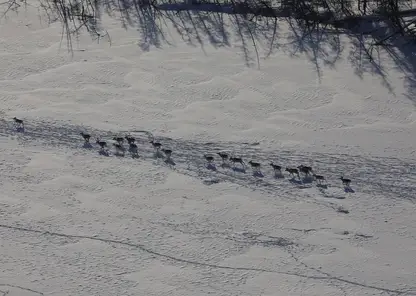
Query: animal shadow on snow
x=299, y=184
x=170, y=162
x=225, y=165
x=348, y=189
x=326, y=195
x=20, y=129
x=87, y=145
x=134, y=155
x=103, y=153
x=322, y=186
x=119, y=154
x=211, y=167
x=239, y=170
x=258, y=174
x=279, y=176
x=307, y=180
x=211, y=181
x=295, y=181
x=157, y=154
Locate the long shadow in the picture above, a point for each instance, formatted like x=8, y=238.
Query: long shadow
x=151, y=33
x=239, y=170
x=259, y=38
x=307, y=180
x=196, y=24
x=321, y=45
x=87, y=145
x=278, y=175
x=211, y=167
x=258, y=174
x=255, y=30
x=402, y=53
x=363, y=57
x=400, y=49
x=348, y=189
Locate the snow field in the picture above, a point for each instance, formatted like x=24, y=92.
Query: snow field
x=74, y=222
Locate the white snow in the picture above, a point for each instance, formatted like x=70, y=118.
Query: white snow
x=74, y=222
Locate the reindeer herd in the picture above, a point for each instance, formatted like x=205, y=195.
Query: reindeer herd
x=256, y=167
x=226, y=158
x=120, y=149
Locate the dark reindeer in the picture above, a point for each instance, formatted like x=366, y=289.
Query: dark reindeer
x=119, y=140
x=224, y=156
x=209, y=158
x=18, y=122
x=133, y=149
x=276, y=168
x=156, y=145
x=86, y=137
x=168, y=153
x=293, y=172
x=235, y=160
x=319, y=179
x=345, y=182
x=255, y=166
x=102, y=144
x=119, y=148
x=130, y=140
x=307, y=170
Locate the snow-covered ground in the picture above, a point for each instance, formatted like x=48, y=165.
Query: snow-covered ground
x=75, y=222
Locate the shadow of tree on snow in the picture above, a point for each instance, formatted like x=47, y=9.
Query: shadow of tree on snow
x=258, y=37
x=366, y=57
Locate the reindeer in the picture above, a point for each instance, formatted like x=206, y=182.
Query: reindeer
x=156, y=145
x=305, y=169
x=18, y=122
x=133, y=149
x=102, y=144
x=129, y=139
x=293, y=172
x=119, y=148
x=210, y=161
x=168, y=153
x=239, y=160
x=255, y=166
x=319, y=179
x=119, y=140
x=209, y=158
x=345, y=182
x=86, y=137
x=224, y=156
x=276, y=168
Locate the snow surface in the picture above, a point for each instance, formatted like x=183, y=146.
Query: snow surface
x=76, y=222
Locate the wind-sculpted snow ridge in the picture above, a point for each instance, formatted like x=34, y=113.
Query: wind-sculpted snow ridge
x=390, y=176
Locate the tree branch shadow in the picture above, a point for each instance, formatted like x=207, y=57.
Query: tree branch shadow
x=198, y=25
x=254, y=28
x=403, y=54
x=363, y=57
x=319, y=44
x=373, y=40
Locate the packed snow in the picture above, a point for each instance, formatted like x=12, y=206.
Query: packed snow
x=77, y=221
